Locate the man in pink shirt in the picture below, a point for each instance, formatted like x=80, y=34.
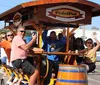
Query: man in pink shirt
x=19, y=54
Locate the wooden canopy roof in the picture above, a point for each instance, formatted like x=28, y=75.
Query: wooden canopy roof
x=95, y=7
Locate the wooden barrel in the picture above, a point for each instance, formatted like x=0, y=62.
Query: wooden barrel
x=72, y=75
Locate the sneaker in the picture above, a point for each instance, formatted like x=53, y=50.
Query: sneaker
x=8, y=83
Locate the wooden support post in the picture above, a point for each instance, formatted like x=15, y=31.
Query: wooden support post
x=40, y=37
x=69, y=59
x=39, y=29
x=72, y=31
x=12, y=30
x=67, y=46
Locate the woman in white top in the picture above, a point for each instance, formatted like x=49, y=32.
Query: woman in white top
x=3, y=56
x=3, y=53
x=90, y=53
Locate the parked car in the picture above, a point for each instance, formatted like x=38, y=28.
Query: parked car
x=98, y=56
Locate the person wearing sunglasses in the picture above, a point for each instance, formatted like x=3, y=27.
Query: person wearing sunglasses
x=2, y=46
x=19, y=53
x=10, y=37
x=90, y=53
x=52, y=44
x=6, y=44
x=5, y=49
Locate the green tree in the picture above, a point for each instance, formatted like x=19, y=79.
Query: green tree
x=94, y=28
x=28, y=33
x=4, y=30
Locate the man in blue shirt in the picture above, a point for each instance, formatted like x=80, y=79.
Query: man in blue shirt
x=51, y=43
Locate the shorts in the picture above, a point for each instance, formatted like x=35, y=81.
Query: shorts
x=4, y=60
x=24, y=65
x=91, y=66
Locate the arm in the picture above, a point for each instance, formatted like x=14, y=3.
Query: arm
x=37, y=50
x=98, y=43
x=64, y=32
x=28, y=45
x=82, y=52
x=63, y=39
x=44, y=35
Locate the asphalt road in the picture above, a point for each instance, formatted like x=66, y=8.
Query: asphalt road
x=94, y=78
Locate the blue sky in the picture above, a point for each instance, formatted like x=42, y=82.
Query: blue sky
x=7, y=4
x=95, y=20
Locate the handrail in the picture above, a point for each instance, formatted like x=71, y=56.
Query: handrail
x=57, y=53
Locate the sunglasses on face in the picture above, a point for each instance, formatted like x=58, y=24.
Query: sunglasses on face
x=89, y=42
x=3, y=37
x=10, y=35
x=22, y=31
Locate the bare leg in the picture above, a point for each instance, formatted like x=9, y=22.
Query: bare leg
x=14, y=81
x=33, y=77
x=9, y=80
x=19, y=81
x=87, y=67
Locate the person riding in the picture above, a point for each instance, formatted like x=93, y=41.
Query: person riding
x=90, y=53
x=6, y=44
x=79, y=45
x=19, y=53
x=3, y=53
x=51, y=44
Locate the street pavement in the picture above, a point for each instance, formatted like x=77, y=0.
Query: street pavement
x=94, y=78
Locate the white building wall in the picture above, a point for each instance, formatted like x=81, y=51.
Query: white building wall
x=86, y=33
x=83, y=33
